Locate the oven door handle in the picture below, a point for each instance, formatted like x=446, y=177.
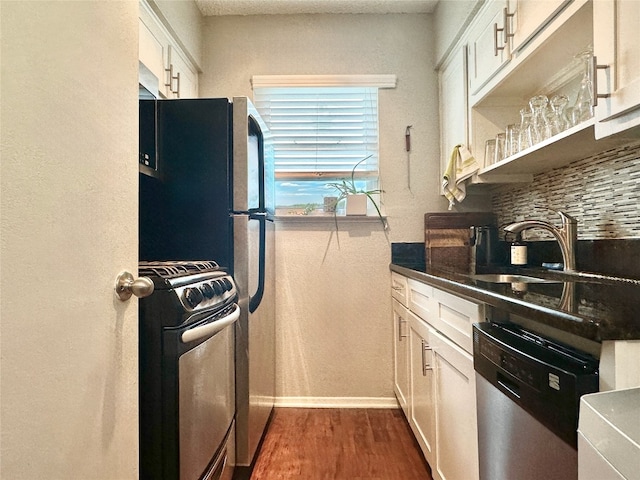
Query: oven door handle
x=209, y=329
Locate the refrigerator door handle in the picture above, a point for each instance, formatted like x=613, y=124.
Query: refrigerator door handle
x=256, y=298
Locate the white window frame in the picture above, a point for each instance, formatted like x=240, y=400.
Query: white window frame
x=293, y=81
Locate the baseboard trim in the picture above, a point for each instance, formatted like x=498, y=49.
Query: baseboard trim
x=337, y=402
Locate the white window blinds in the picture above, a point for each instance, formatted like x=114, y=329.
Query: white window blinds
x=319, y=134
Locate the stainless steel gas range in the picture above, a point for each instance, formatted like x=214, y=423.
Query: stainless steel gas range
x=187, y=372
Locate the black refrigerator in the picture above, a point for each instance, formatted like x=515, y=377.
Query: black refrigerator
x=207, y=193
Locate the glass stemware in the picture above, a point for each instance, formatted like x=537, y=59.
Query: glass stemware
x=583, y=108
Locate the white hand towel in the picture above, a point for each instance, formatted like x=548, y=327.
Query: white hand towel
x=461, y=166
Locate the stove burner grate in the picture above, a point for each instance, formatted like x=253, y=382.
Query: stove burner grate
x=171, y=269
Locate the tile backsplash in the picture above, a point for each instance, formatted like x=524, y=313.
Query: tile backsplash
x=601, y=192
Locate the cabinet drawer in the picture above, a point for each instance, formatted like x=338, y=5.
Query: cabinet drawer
x=421, y=300
x=399, y=288
x=455, y=316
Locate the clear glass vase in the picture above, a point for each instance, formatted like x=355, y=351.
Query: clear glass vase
x=539, y=122
x=560, y=118
x=583, y=107
x=524, y=131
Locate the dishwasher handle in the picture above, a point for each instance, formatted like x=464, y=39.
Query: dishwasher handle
x=508, y=386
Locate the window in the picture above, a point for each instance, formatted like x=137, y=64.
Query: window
x=319, y=134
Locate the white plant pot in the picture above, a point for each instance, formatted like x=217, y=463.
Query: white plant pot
x=357, y=204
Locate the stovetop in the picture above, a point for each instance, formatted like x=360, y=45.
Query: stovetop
x=189, y=285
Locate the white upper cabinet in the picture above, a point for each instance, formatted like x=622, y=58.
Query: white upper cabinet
x=453, y=105
x=151, y=53
x=488, y=51
x=617, y=47
x=519, y=49
x=161, y=54
x=525, y=18
x=184, y=80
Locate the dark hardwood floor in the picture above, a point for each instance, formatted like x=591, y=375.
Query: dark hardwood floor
x=339, y=444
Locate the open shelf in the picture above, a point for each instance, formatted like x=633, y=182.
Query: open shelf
x=573, y=144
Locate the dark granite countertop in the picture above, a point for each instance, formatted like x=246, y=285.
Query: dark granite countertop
x=592, y=307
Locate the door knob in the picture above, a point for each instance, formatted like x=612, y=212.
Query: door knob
x=126, y=286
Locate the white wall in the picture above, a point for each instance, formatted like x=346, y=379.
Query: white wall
x=451, y=17
x=333, y=304
x=69, y=128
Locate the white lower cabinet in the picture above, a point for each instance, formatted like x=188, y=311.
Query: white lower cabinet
x=435, y=379
x=422, y=413
x=401, y=354
x=456, y=422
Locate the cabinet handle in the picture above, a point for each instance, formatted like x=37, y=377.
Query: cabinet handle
x=507, y=22
x=397, y=288
x=170, y=77
x=594, y=75
x=425, y=366
x=496, y=48
x=400, y=335
x=177, y=90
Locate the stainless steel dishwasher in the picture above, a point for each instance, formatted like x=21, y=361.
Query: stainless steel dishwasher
x=528, y=393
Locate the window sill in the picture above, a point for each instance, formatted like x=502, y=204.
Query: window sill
x=327, y=219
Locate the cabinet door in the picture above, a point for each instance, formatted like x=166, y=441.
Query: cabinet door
x=617, y=45
x=401, y=355
x=150, y=52
x=422, y=405
x=488, y=52
x=160, y=53
x=184, y=82
x=456, y=422
x=453, y=106
x=531, y=16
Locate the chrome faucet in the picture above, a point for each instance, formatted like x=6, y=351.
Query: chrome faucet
x=567, y=236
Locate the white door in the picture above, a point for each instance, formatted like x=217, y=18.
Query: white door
x=69, y=226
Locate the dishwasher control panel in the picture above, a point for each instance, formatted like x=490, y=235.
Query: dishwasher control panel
x=518, y=367
x=542, y=376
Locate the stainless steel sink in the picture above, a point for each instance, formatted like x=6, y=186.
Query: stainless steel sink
x=510, y=278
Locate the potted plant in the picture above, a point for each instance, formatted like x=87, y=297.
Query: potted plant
x=356, y=199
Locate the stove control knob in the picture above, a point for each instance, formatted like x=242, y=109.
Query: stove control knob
x=227, y=284
x=206, y=290
x=193, y=297
x=217, y=287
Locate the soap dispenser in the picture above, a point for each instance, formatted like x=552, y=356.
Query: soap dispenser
x=518, y=252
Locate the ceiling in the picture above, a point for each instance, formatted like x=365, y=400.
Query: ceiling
x=274, y=7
